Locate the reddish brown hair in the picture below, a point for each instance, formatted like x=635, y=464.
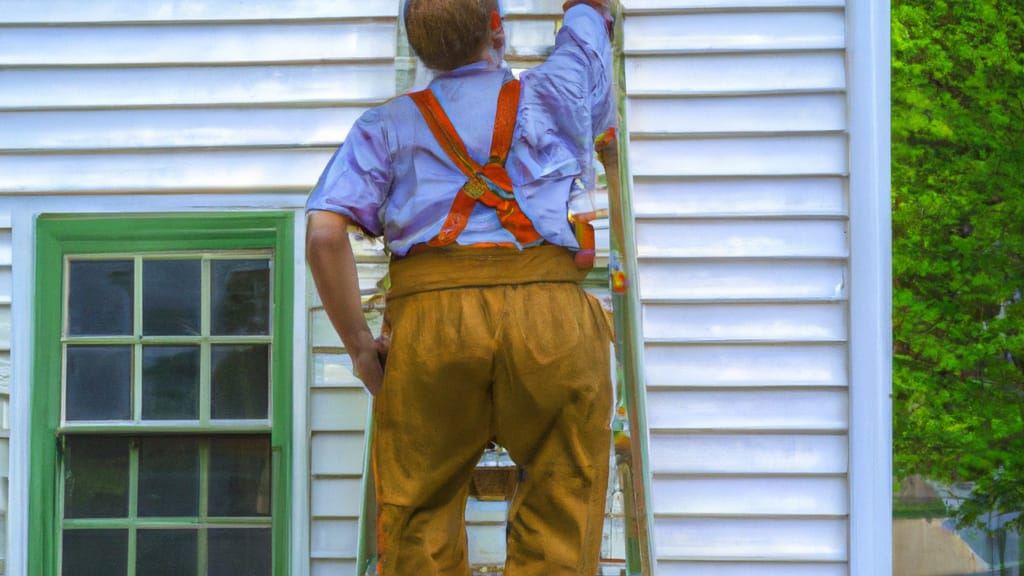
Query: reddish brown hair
x=447, y=34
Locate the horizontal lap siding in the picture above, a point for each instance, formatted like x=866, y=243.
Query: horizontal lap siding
x=216, y=99
x=6, y=291
x=170, y=11
x=120, y=97
x=738, y=153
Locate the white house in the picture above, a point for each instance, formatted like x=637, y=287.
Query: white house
x=155, y=157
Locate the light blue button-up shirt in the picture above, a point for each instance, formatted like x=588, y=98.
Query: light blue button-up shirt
x=393, y=179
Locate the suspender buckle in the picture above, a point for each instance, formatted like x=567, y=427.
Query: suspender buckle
x=475, y=187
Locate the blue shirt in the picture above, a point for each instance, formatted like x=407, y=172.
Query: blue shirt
x=393, y=179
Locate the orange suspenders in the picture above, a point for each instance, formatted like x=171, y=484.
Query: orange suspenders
x=488, y=184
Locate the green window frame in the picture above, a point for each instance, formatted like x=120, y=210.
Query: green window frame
x=206, y=242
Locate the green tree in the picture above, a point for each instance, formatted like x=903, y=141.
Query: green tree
x=958, y=246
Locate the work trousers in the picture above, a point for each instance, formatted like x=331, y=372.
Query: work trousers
x=492, y=344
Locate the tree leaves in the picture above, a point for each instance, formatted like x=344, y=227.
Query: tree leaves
x=958, y=243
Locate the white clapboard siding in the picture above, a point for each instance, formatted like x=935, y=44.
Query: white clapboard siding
x=113, y=130
x=737, y=119
x=746, y=365
x=714, y=568
x=170, y=11
x=142, y=97
x=733, y=196
x=196, y=44
x=201, y=85
x=6, y=292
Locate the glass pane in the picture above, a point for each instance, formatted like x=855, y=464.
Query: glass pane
x=95, y=553
x=240, y=296
x=166, y=553
x=170, y=382
x=239, y=552
x=171, y=297
x=100, y=297
x=99, y=383
x=240, y=476
x=96, y=478
x=169, y=477
x=240, y=381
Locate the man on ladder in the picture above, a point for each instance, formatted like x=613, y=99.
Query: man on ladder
x=474, y=184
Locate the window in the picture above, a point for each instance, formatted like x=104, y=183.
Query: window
x=161, y=396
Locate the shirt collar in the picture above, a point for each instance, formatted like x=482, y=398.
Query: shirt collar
x=479, y=67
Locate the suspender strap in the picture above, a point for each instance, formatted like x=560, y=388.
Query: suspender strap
x=505, y=122
x=488, y=184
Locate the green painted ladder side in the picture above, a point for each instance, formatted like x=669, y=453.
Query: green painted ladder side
x=631, y=453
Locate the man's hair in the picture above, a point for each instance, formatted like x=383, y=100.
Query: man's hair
x=447, y=34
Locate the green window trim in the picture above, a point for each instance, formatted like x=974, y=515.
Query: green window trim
x=59, y=237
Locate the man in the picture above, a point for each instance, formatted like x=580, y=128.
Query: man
x=470, y=183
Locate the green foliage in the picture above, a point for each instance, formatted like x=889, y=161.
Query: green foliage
x=958, y=244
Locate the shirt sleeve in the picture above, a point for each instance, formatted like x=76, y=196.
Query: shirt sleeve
x=587, y=32
x=566, y=104
x=570, y=93
x=357, y=179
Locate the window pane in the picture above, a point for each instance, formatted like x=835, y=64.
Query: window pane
x=169, y=477
x=96, y=478
x=240, y=381
x=166, y=553
x=171, y=297
x=170, y=382
x=239, y=552
x=100, y=297
x=99, y=383
x=240, y=476
x=240, y=296
x=95, y=553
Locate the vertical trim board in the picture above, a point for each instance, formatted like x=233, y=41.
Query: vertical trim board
x=871, y=289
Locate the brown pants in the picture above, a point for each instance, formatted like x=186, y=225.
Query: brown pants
x=492, y=343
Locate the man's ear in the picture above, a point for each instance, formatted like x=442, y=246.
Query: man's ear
x=497, y=31
x=498, y=40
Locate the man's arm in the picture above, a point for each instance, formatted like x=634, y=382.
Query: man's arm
x=330, y=259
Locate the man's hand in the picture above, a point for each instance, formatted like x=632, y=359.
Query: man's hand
x=603, y=7
x=368, y=365
x=596, y=4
